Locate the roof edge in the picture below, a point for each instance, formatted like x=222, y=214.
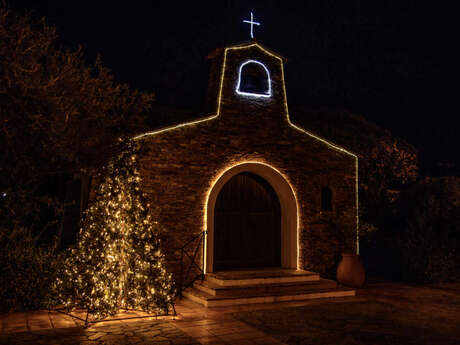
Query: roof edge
x=218, y=51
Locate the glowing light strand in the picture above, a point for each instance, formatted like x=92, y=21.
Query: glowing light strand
x=333, y=146
x=252, y=94
x=117, y=262
x=217, y=178
x=251, y=23
x=219, y=101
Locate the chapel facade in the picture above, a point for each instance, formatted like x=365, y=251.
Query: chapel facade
x=263, y=191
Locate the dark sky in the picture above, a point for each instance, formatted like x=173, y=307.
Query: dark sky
x=386, y=60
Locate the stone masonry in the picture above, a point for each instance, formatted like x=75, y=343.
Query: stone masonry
x=179, y=165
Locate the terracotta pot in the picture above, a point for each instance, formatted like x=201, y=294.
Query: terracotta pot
x=351, y=271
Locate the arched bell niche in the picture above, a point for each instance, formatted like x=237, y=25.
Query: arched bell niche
x=254, y=79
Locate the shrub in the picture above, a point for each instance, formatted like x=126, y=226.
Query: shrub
x=26, y=271
x=429, y=238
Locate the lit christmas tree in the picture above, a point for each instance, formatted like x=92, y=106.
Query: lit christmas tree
x=117, y=262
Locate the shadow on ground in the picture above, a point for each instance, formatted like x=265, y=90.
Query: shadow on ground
x=387, y=313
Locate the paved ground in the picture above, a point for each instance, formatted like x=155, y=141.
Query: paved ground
x=193, y=325
x=385, y=313
x=197, y=325
x=142, y=332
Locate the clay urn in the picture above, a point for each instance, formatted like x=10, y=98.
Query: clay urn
x=351, y=271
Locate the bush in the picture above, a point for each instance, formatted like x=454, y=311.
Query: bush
x=429, y=240
x=26, y=271
x=378, y=252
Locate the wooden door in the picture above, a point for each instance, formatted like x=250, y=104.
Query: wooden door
x=247, y=224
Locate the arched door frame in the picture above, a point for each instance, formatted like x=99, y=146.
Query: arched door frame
x=289, y=211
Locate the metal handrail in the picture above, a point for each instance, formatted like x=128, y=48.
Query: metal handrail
x=183, y=279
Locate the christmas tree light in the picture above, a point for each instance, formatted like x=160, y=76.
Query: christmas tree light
x=117, y=263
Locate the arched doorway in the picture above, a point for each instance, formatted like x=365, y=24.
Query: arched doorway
x=264, y=174
x=247, y=224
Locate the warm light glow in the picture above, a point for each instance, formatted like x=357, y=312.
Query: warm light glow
x=333, y=146
x=219, y=101
x=217, y=178
x=174, y=127
x=357, y=205
x=252, y=23
x=251, y=94
x=117, y=262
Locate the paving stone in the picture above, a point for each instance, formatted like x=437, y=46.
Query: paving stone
x=211, y=339
x=132, y=332
x=96, y=336
x=136, y=339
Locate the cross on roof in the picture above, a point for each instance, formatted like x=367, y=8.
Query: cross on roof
x=252, y=22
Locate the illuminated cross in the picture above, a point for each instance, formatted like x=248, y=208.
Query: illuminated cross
x=252, y=22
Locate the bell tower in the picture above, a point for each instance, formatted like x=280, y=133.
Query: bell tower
x=247, y=80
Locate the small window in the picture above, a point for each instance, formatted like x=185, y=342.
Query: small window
x=326, y=199
x=253, y=80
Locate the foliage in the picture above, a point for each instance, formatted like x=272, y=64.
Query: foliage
x=118, y=261
x=27, y=271
x=429, y=225
x=58, y=116
x=387, y=164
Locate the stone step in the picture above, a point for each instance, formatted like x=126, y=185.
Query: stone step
x=208, y=300
x=257, y=289
x=264, y=276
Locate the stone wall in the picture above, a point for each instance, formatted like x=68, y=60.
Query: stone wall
x=180, y=165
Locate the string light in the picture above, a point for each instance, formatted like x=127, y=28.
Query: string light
x=252, y=23
x=117, y=262
x=251, y=94
x=218, y=177
x=312, y=135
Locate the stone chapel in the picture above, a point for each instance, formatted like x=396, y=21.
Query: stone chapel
x=263, y=197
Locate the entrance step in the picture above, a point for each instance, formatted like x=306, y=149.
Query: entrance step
x=264, y=276
x=257, y=289
x=262, y=286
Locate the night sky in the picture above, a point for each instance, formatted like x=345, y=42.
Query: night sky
x=386, y=60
